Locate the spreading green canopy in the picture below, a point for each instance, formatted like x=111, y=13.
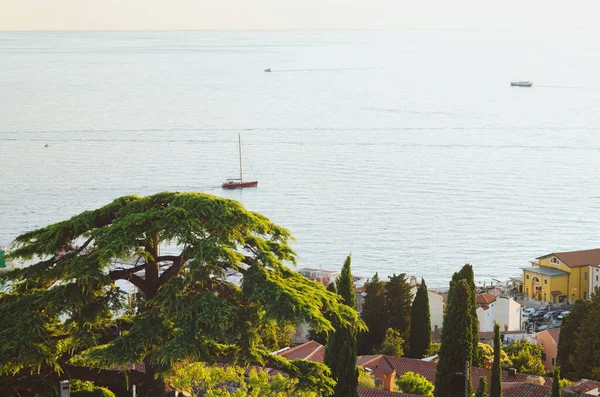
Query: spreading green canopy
x=66, y=310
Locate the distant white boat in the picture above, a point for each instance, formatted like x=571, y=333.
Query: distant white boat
x=521, y=83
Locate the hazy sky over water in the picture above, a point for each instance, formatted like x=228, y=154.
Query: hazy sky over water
x=296, y=14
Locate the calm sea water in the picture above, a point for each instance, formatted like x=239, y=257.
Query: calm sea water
x=408, y=149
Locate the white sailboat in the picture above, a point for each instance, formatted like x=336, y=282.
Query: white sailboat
x=238, y=183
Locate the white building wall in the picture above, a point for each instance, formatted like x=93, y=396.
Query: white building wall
x=486, y=318
x=508, y=313
x=594, y=278
x=436, y=310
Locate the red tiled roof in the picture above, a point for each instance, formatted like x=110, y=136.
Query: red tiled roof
x=310, y=350
x=577, y=258
x=554, y=333
x=379, y=364
x=486, y=298
x=364, y=392
x=521, y=389
x=582, y=386
x=490, y=334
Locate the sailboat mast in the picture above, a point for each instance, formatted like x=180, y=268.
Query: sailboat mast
x=240, y=146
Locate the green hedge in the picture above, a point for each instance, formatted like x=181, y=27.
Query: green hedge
x=88, y=389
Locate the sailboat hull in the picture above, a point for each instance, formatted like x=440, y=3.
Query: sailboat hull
x=238, y=184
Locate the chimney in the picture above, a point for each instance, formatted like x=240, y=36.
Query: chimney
x=535, y=380
x=389, y=380
x=512, y=372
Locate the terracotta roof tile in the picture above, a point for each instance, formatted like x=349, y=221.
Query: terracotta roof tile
x=486, y=298
x=581, y=387
x=520, y=389
x=490, y=334
x=379, y=364
x=577, y=258
x=310, y=350
x=554, y=333
x=364, y=392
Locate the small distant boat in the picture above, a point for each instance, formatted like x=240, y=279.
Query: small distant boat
x=46, y=145
x=521, y=83
x=267, y=70
x=235, y=183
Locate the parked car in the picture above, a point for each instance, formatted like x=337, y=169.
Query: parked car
x=542, y=328
x=537, y=315
x=550, y=316
x=528, y=312
x=563, y=315
x=543, y=308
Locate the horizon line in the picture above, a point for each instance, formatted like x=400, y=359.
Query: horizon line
x=407, y=29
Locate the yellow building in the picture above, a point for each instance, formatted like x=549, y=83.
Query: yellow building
x=561, y=276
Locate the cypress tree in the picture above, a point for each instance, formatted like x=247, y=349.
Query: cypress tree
x=496, y=386
x=374, y=316
x=587, y=347
x=457, y=346
x=420, y=323
x=556, y=383
x=331, y=288
x=567, y=344
x=481, y=387
x=398, y=300
x=340, y=351
x=345, y=284
x=466, y=273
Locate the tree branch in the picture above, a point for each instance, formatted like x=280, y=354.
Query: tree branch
x=129, y=270
x=173, y=271
x=75, y=252
x=171, y=258
x=128, y=275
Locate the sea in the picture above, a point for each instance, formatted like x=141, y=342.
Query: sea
x=408, y=149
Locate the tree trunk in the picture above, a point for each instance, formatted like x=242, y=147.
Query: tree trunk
x=155, y=385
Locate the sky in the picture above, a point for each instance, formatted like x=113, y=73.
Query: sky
x=297, y=14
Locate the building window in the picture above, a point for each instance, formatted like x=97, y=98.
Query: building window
x=546, y=281
x=554, y=260
x=553, y=361
x=545, y=297
x=585, y=275
x=596, y=277
x=527, y=277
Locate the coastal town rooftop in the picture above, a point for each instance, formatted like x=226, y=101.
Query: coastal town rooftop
x=546, y=271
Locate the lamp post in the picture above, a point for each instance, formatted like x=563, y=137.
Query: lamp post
x=65, y=388
x=466, y=376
